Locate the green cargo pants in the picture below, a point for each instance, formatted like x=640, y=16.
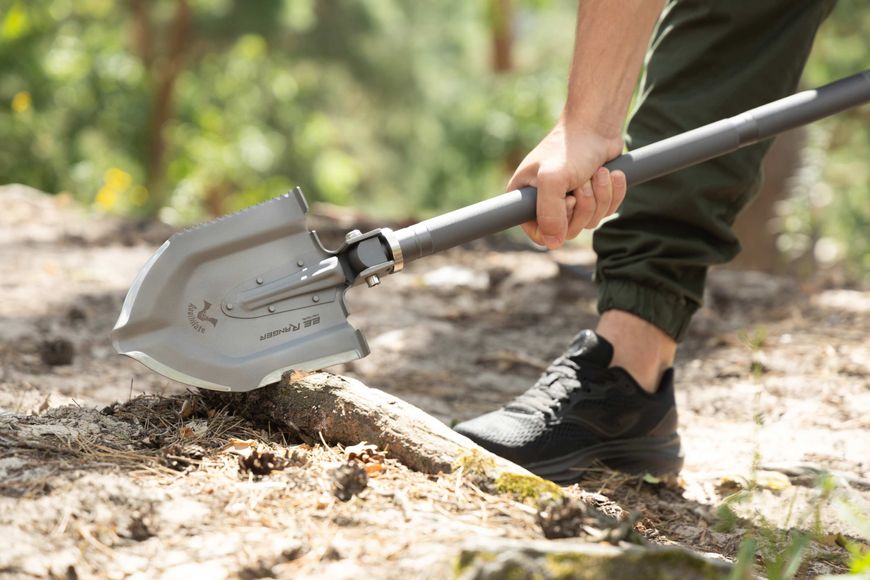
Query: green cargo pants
x=708, y=60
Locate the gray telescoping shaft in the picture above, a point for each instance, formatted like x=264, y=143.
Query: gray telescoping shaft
x=657, y=159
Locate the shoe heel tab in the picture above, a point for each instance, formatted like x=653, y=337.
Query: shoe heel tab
x=666, y=384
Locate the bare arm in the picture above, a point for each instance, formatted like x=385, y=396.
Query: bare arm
x=611, y=38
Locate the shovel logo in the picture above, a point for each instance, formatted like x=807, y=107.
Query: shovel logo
x=197, y=319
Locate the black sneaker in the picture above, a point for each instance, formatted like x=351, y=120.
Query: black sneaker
x=581, y=412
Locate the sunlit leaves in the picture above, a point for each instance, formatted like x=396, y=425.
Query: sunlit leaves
x=15, y=23
x=390, y=104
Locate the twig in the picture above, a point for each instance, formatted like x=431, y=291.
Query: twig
x=101, y=547
x=64, y=520
x=509, y=358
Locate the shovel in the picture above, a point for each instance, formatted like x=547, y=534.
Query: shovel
x=232, y=304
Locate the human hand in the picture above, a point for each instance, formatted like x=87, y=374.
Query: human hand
x=574, y=190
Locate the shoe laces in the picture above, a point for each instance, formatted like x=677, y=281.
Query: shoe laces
x=563, y=377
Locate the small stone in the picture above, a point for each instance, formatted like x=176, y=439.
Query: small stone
x=562, y=518
x=348, y=480
x=56, y=352
x=76, y=315
x=138, y=530
x=260, y=464
x=258, y=570
x=294, y=550
x=181, y=457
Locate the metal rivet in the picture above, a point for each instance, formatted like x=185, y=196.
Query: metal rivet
x=271, y=309
x=315, y=298
x=351, y=235
x=229, y=306
x=300, y=263
x=259, y=280
x=373, y=280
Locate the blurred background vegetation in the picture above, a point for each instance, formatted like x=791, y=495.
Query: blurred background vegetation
x=184, y=109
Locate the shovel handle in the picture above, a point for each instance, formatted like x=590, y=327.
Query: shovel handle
x=661, y=158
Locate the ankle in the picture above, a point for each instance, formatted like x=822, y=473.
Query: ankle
x=640, y=347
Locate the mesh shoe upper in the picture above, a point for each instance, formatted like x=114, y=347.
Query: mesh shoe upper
x=577, y=402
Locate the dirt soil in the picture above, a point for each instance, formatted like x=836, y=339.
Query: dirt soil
x=108, y=469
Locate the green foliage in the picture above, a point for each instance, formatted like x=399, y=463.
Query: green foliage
x=726, y=519
x=392, y=105
x=389, y=104
x=859, y=554
x=745, y=558
x=828, y=218
x=860, y=562
x=781, y=551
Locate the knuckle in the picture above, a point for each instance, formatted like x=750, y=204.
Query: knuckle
x=553, y=177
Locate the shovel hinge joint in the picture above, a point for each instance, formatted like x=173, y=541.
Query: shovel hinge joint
x=372, y=255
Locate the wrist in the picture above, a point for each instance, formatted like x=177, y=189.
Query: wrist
x=606, y=137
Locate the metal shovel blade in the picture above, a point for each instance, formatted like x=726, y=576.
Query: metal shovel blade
x=232, y=304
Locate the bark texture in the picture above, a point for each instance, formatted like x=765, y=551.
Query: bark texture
x=343, y=410
x=500, y=558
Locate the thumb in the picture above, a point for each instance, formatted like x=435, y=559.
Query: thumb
x=552, y=219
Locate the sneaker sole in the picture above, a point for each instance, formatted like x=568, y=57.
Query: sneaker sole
x=653, y=455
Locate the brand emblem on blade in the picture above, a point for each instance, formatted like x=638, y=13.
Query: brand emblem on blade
x=306, y=322
x=198, y=318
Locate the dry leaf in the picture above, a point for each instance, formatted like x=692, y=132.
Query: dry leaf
x=240, y=443
x=364, y=452
x=291, y=377
x=374, y=468
x=241, y=447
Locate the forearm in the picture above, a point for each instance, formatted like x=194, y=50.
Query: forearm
x=610, y=42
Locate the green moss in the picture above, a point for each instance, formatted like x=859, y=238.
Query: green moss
x=475, y=463
x=635, y=564
x=526, y=486
x=468, y=557
x=564, y=565
x=646, y=565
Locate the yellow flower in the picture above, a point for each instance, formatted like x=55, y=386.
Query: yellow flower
x=106, y=198
x=117, y=179
x=21, y=102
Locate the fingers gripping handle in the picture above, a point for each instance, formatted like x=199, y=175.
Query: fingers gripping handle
x=657, y=159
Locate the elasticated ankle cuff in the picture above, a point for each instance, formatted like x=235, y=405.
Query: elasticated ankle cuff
x=668, y=311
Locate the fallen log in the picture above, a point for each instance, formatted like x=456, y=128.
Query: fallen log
x=345, y=411
x=505, y=558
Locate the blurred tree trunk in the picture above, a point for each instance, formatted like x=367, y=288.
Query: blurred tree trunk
x=501, y=23
x=754, y=227
x=163, y=68
x=502, y=37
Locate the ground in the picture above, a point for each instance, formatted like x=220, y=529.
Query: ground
x=109, y=469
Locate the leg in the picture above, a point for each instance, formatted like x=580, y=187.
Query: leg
x=708, y=60
x=642, y=348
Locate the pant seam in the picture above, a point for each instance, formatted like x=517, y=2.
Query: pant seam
x=667, y=310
